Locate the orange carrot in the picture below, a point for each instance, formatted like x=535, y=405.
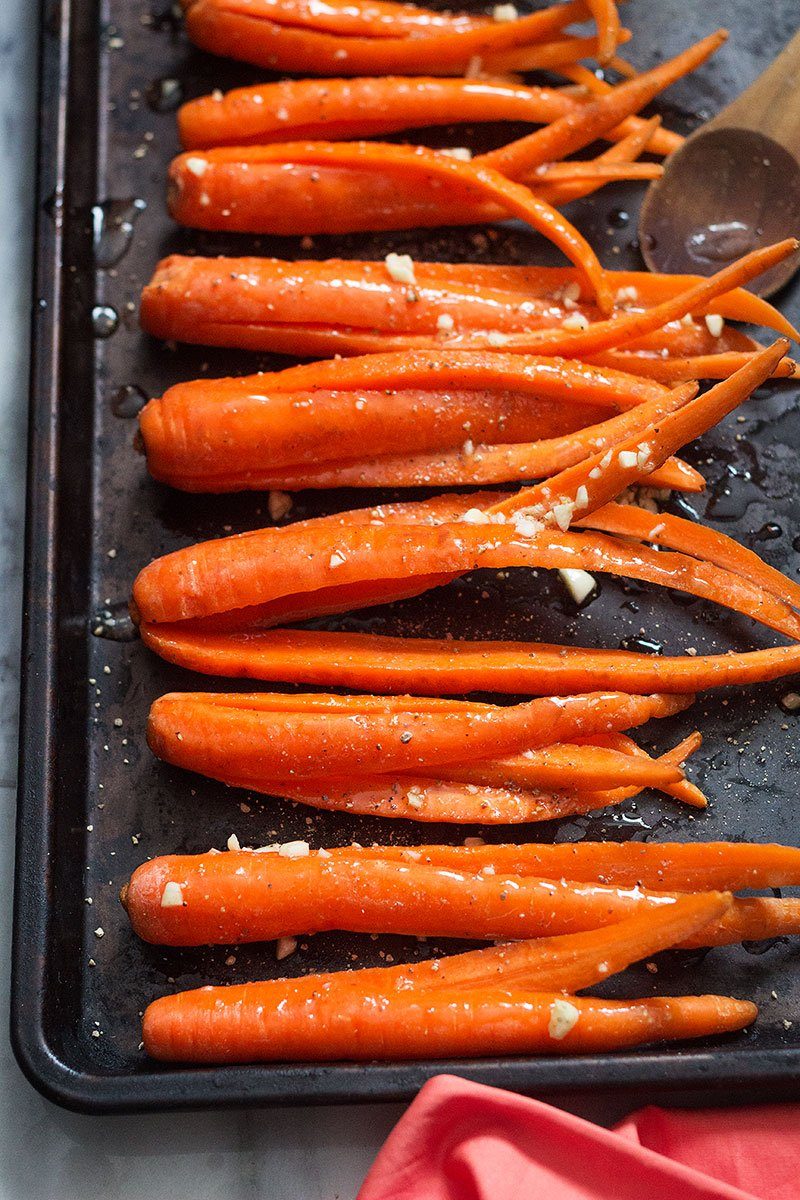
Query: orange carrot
x=577, y=129
x=265, y=304
x=692, y=538
x=379, y=39
x=205, y=186
x=608, y=25
x=505, y=801
x=375, y=662
x=245, y=1024
x=271, y=737
x=247, y=896
x=237, y=434
x=294, y=109
x=675, y=866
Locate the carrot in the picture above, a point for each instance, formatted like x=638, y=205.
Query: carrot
x=379, y=39
x=678, y=370
x=692, y=538
x=577, y=129
x=200, y=193
x=247, y=302
x=676, y=866
x=595, y=480
x=294, y=109
x=276, y=738
x=392, y=664
x=506, y=798
x=224, y=1025
x=607, y=20
x=207, y=437
x=247, y=896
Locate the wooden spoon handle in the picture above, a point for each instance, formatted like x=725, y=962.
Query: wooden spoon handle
x=771, y=105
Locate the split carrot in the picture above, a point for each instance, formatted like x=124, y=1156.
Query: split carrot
x=381, y=38
x=507, y=801
x=566, y=963
x=246, y=896
x=264, y=304
x=224, y=1025
x=690, y=537
x=607, y=20
x=250, y=573
x=675, y=866
x=375, y=662
x=343, y=109
x=205, y=186
x=276, y=738
x=577, y=129
x=679, y=370
x=238, y=434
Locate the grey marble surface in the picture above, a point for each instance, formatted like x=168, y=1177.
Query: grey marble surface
x=46, y=1152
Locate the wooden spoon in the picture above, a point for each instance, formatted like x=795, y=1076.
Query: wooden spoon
x=734, y=185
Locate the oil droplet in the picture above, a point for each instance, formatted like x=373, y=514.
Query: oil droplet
x=732, y=494
x=618, y=218
x=114, y=624
x=768, y=532
x=721, y=242
x=796, y=543
x=641, y=645
x=105, y=320
x=112, y=229
x=164, y=95
x=764, y=946
x=128, y=401
x=54, y=207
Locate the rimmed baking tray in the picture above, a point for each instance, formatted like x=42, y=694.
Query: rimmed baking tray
x=93, y=802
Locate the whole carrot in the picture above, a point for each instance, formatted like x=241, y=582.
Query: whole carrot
x=222, y=1025
x=392, y=664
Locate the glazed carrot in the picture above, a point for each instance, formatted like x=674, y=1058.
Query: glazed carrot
x=596, y=480
x=345, y=40
x=507, y=797
x=607, y=20
x=263, y=577
x=675, y=866
x=245, y=1024
x=481, y=464
x=206, y=437
x=271, y=737
x=678, y=370
x=392, y=664
x=626, y=150
x=247, y=896
x=200, y=193
x=567, y=963
x=692, y=538
x=248, y=302
x=575, y=130
x=270, y=577
x=294, y=109
x=471, y=1024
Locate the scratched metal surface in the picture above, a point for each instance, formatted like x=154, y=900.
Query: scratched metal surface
x=95, y=802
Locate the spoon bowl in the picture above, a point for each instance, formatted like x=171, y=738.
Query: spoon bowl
x=734, y=185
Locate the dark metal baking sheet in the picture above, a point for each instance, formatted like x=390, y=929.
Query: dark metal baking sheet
x=93, y=802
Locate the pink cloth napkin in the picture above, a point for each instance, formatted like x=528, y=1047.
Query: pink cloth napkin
x=464, y=1141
